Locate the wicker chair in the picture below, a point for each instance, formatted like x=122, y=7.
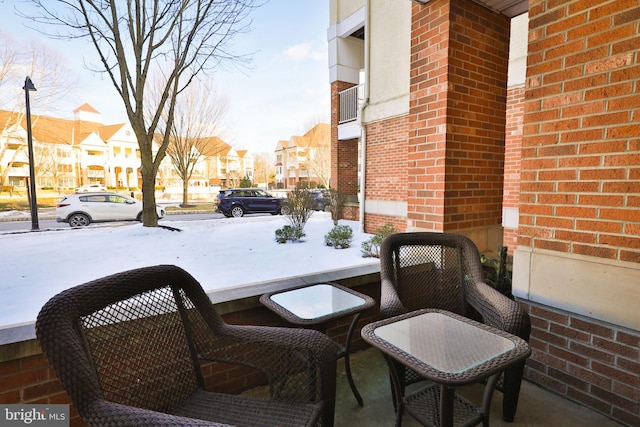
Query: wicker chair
x=129, y=350
x=443, y=270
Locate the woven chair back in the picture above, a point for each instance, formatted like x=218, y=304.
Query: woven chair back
x=429, y=276
x=141, y=351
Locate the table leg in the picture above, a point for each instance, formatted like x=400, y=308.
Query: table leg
x=447, y=395
x=397, y=392
x=347, y=364
x=486, y=398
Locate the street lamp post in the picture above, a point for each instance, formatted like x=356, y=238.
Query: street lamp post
x=33, y=202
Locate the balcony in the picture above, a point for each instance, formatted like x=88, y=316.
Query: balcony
x=23, y=362
x=594, y=355
x=350, y=101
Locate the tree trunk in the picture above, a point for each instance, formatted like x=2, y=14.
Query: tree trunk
x=185, y=194
x=149, y=214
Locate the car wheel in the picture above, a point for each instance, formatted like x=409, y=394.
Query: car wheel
x=237, y=211
x=139, y=217
x=79, y=220
x=285, y=210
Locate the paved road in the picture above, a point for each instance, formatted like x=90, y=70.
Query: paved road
x=44, y=221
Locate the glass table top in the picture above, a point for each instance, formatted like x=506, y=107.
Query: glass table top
x=317, y=300
x=447, y=344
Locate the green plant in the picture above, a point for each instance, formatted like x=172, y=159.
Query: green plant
x=496, y=272
x=340, y=237
x=288, y=233
x=371, y=247
x=246, y=182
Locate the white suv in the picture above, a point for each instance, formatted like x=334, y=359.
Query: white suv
x=80, y=210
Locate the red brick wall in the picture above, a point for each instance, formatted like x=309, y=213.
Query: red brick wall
x=512, y=159
x=581, y=151
x=459, y=59
x=427, y=115
x=591, y=362
x=386, y=174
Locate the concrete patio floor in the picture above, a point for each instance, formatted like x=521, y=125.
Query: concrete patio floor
x=536, y=406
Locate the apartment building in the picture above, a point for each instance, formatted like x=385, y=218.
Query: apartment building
x=537, y=150
x=304, y=161
x=72, y=153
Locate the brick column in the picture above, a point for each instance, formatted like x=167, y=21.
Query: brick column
x=580, y=155
x=344, y=154
x=459, y=59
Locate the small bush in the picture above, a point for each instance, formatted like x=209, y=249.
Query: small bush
x=298, y=207
x=335, y=201
x=371, y=247
x=340, y=237
x=288, y=233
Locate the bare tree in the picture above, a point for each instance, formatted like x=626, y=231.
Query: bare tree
x=264, y=168
x=318, y=139
x=176, y=39
x=54, y=81
x=194, y=132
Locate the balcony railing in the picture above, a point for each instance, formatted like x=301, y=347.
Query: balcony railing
x=349, y=104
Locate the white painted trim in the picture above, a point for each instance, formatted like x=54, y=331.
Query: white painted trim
x=598, y=288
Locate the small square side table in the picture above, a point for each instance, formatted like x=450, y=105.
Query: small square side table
x=312, y=306
x=449, y=350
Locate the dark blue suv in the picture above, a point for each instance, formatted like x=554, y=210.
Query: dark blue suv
x=238, y=201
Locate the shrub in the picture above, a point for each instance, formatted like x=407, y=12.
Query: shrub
x=340, y=237
x=371, y=247
x=335, y=201
x=496, y=272
x=298, y=207
x=288, y=233
x=246, y=182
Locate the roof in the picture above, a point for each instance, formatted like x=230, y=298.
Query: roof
x=107, y=132
x=72, y=132
x=53, y=130
x=213, y=146
x=86, y=107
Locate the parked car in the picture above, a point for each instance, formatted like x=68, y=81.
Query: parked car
x=80, y=210
x=90, y=188
x=320, y=201
x=239, y=201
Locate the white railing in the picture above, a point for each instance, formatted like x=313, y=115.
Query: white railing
x=349, y=103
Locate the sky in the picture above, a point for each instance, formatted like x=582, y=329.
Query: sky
x=220, y=253
x=285, y=91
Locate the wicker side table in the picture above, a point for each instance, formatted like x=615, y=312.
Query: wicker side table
x=312, y=306
x=449, y=350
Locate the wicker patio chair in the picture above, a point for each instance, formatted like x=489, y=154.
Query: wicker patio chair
x=443, y=270
x=129, y=349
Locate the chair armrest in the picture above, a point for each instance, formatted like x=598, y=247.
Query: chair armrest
x=390, y=304
x=276, y=338
x=105, y=413
x=281, y=354
x=498, y=311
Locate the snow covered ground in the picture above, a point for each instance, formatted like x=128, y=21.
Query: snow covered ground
x=219, y=253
